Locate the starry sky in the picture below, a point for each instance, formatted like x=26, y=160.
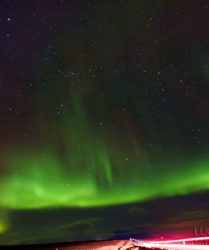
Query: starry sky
x=104, y=113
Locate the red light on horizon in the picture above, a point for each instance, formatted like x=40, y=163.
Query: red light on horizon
x=192, y=243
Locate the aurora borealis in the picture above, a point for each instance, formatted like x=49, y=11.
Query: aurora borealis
x=103, y=104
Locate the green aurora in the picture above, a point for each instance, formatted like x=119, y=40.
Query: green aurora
x=94, y=173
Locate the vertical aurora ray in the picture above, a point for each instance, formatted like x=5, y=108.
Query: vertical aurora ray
x=93, y=171
x=31, y=187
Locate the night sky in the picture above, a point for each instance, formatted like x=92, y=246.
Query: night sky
x=104, y=118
